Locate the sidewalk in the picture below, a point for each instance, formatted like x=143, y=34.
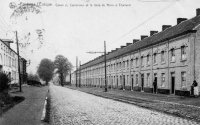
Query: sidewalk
x=176, y=105
x=29, y=111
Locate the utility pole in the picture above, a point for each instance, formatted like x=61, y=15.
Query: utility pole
x=105, y=66
x=20, y=84
x=76, y=71
x=106, y=88
x=79, y=73
x=70, y=78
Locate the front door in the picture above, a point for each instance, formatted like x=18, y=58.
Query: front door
x=172, y=83
x=142, y=82
x=132, y=82
x=155, y=83
x=124, y=81
x=117, y=81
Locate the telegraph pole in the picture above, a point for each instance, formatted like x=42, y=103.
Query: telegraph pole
x=76, y=71
x=70, y=78
x=105, y=66
x=79, y=73
x=20, y=84
x=106, y=88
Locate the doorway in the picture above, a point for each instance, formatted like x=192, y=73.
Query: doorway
x=172, y=83
x=155, y=83
x=142, y=82
x=131, y=82
x=124, y=82
x=117, y=81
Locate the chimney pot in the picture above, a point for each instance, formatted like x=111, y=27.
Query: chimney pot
x=197, y=11
x=143, y=37
x=164, y=27
x=179, y=20
x=128, y=44
x=135, y=40
x=153, y=32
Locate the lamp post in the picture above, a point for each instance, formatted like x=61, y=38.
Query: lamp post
x=106, y=88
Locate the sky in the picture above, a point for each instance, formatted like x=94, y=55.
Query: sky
x=74, y=27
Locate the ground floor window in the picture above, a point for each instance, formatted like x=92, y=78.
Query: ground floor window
x=183, y=79
x=163, y=80
x=136, y=79
x=148, y=79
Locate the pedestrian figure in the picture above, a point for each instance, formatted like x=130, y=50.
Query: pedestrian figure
x=196, y=89
x=154, y=86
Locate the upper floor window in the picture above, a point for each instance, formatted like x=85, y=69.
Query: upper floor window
x=183, y=79
x=183, y=52
x=127, y=63
x=155, y=58
x=136, y=61
x=172, y=54
x=148, y=59
x=162, y=56
x=142, y=58
x=131, y=62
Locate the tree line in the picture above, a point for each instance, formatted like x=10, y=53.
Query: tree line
x=48, y=68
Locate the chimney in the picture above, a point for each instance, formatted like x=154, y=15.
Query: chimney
x=128, y=44
x=122, y=46
x=164, y=27
x=197, y=11
x=153, y=32
x=143, y=36
x=179, y=20
x=135, y=40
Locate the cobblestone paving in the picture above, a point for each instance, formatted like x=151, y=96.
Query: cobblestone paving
x=72, y=107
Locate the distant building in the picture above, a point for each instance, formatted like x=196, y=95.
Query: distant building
x=170, y=59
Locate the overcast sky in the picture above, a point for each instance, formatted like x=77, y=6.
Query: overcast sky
x=79, y=26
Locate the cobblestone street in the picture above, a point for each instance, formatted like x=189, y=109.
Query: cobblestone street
x=77, y=108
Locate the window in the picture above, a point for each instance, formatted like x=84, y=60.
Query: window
x=148, y=59
x=183, y=52
x=173, y=55
x=131, y=62
x=162, y=56
x=154, y=58
x=136, y=61
x=162, y=79
x=142, y=60
x=183, y=79
x=148, y=79
x=127, y=63
x=136, y=79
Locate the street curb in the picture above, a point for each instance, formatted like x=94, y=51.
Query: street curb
x=44, y=110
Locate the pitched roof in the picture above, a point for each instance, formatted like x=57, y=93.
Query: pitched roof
x=172, y=32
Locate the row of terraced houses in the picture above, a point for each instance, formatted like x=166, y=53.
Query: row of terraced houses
x=164, y=62
x=9, y=62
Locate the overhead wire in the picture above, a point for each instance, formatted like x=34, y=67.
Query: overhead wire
x=144, y=22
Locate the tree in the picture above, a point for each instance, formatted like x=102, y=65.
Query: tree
x=45, y=70
x=33, y=77
x=63, y=67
